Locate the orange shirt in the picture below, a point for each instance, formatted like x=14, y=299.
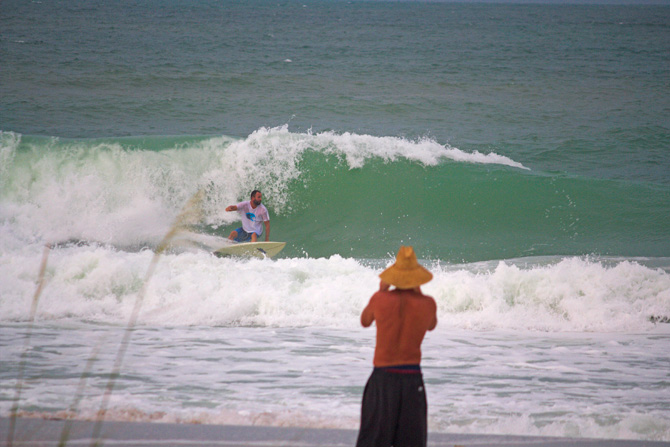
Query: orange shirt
x=403, y=317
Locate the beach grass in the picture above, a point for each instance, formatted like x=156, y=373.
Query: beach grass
x=26, y=346
x=189, y=216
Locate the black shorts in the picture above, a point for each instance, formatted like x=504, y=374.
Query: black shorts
x=394, y=410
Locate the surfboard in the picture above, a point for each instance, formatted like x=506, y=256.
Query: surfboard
x=251, y=249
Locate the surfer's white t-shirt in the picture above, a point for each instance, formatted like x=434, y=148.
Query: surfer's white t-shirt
x=253, y=218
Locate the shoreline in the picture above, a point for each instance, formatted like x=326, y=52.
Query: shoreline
x=34, y=432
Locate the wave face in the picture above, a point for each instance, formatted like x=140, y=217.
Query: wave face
x=510, y=247
x=355, y=195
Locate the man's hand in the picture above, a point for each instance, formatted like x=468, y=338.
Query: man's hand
x=232, y=208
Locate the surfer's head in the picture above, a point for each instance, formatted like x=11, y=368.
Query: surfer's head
x=406, y=272
x=256, y=197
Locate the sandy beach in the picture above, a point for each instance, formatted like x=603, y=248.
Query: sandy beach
x=40, y=432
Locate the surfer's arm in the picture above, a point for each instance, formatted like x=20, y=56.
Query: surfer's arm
x=232, y=208
x=267, y=230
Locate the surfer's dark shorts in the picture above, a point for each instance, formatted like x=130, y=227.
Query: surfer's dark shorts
x=243, y=236
x=394, y=410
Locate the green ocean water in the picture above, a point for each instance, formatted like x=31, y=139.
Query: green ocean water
x=467, y=213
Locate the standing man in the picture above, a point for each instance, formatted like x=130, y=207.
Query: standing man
x=394, y=410
x=254, y=215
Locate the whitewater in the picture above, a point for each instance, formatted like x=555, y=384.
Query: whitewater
x=556, y=345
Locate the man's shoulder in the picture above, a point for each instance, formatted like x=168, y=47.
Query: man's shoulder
x=429, y=298
x=388, y=298
x=380, y=296
x=383, y=293
x=423, y=298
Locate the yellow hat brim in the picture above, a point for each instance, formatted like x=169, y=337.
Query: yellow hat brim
x=406, y=279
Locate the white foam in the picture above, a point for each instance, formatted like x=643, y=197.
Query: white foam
x=195, y=288
x=573, y=294
x=357, y=148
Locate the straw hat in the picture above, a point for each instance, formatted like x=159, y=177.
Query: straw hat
x=406, y=272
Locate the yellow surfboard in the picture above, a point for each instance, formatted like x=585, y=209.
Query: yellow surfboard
x=251, y=249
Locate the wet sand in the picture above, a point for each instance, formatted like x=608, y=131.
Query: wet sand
x=40, y=432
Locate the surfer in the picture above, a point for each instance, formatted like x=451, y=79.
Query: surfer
x=254, y=215
x=394, y=410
